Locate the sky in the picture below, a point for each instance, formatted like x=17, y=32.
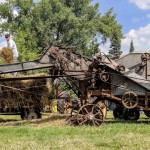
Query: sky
x=133, y=15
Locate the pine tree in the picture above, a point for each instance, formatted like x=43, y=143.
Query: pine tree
x=131, y=47
x=115, y=46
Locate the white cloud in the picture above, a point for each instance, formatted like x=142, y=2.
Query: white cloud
x=105, y=48
x=15, y=13
x=142, y=4
x=2, y=1
x=140, y=37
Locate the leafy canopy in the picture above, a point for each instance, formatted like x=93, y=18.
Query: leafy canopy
x=57, y=22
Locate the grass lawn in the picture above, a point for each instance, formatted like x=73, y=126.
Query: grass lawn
x=52, y=133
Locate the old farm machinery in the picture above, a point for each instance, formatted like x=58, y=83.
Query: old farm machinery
x=94, y=80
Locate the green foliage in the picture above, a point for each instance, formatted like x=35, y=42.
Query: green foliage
x=131, y=47
x=115, y=46
x=57, y=22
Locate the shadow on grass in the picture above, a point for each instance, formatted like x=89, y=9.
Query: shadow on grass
x=19, y=122
x=7, y=120
x=50, y=118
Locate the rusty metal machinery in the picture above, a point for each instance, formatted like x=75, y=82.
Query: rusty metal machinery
x=100, y=79
x=145, y=57
x=94, y=80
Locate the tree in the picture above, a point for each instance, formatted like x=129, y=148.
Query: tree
x=115, y=46
x=57, y=22
x=131, y=46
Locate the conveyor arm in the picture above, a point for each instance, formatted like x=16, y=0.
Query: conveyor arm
x=23, y=66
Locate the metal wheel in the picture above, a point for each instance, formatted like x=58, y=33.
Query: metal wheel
x=130, y=99
x=147, y=113
x=90, y=114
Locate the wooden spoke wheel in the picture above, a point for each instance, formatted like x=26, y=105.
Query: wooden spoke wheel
x=90, y=114
x=130, y=99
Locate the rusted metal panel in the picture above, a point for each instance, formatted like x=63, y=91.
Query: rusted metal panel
x=121, y=84
x=133, y=60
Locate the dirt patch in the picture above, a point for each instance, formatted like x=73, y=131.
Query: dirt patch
x=47, y=120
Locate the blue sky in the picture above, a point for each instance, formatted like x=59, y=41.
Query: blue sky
x=134, y=16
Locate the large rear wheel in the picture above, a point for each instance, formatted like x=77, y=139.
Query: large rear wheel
x=90, y=114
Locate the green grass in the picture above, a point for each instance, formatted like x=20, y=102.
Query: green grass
x=52, y=133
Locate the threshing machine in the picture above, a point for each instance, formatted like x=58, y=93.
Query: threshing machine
x=94, y=80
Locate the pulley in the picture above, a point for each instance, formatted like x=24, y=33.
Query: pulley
x=120, y=68
x=145, y=57
x=104, y=76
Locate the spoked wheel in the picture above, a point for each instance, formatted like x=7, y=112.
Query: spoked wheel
x=72, y=120
x=130, y=99
x=90, y=114
x=131, y=114
x=147, y=113
x=118, y=112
